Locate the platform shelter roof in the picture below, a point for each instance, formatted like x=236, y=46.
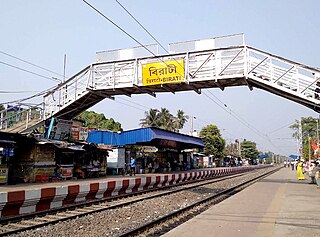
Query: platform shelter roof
x=146, y=136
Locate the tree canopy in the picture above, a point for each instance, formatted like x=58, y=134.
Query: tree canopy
x=249, y=150
x=164, y=119
x=214, y=144
x=99, y=121
x=309, y=127
x=1, y=107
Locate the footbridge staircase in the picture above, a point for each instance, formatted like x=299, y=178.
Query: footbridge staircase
x=193, y=65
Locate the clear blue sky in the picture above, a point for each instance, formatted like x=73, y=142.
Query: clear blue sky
x=43, y=31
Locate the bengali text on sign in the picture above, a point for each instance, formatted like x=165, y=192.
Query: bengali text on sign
x=171, y=71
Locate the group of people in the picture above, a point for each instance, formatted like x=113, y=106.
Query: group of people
x=301, y=167
x=296, y=165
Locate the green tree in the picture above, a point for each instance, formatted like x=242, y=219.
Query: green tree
x=167, y=120
x=151, y=119
x=164, y=119
x=309, y=131
x=214, y=144
x=249, y=150
x=1, y=107
x=181, y=119
x=99, y=121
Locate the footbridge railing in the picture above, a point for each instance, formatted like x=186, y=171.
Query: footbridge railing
x=192, y=65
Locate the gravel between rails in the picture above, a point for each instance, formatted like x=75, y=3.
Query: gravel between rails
x=116, y=221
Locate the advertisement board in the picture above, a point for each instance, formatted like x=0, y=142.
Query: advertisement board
x=3, y=174
x=84, y=133
x=66, y=171
x=75, y=130
x=61, y=131
x=171, y=71
x=116, y=158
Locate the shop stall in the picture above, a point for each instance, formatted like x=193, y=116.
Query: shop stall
x=6, y=160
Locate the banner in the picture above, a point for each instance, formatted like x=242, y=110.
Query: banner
x=171, y=71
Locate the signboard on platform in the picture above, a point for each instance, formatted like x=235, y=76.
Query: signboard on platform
x=171, y=71
x=116, y=158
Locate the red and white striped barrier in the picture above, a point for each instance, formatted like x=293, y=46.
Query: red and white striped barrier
x=13, y=203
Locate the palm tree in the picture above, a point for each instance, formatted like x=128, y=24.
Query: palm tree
x=151, y=119
x=166, y=119
x=181, y=119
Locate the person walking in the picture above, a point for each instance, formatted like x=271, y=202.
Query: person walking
x=132, y=166
x=299, y=171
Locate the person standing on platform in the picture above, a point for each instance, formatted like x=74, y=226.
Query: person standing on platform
x=132, y=166
x=299, y=170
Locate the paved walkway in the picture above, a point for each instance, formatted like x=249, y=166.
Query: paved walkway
x=277, y=206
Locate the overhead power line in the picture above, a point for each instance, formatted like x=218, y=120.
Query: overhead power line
x=36, y=74
x=30, y=97
x=135, y=19
x=16, y=92
x=116, y=25
x=284, y=126
x=35, y=65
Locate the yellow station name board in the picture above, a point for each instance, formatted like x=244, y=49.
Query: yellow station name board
x=171, y=71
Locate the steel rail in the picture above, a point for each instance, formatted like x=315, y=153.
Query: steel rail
x=213, y=199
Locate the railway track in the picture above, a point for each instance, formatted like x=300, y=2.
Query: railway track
x=165, y=223
x=16, y=226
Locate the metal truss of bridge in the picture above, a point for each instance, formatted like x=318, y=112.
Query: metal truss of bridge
x=213, y=63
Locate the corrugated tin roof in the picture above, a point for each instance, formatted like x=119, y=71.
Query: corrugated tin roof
x=141, y=135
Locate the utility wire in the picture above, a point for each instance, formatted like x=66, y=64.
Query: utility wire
x=30, y=97
x=130, y=106
x=284, y=126
x=39, y=75
x=135, y=19
x=113, y=23
x=17, y=92
x=235, y=114
x=134, y=103
x=35, y=65
x=246, y=124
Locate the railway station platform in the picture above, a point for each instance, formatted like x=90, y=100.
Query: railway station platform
x=277, y=206
x=36, y=197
